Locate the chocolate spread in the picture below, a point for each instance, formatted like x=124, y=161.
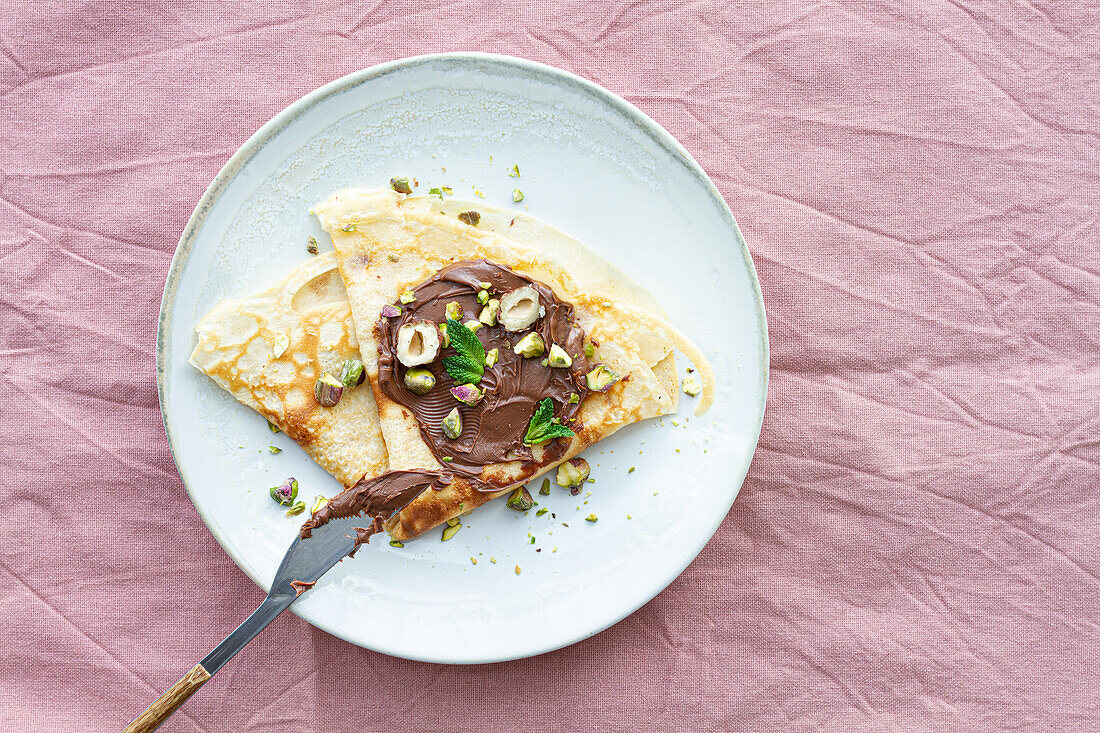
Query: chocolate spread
x=377, y=497
x=493, y=430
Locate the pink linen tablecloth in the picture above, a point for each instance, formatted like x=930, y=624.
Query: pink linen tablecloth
x=917, y=545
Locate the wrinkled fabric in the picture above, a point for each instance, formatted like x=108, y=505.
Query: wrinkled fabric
x=917, y=545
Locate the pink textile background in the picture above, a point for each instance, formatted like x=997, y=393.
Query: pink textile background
x=917, y=545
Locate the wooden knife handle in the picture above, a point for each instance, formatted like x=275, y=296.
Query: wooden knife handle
x=176, y=695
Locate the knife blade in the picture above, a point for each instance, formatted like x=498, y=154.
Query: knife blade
x=304, y=563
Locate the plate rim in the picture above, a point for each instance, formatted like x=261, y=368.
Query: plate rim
x=296, y=109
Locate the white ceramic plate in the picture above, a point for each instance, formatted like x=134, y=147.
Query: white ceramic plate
x=597, y=168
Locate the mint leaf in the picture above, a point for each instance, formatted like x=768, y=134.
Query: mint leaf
x=542, y=427
x=461, y=370
x=468, y=364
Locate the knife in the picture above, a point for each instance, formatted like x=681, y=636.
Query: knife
x=304, y=563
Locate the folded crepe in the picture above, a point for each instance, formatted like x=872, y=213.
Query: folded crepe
x=389, y=245
x=268, y=351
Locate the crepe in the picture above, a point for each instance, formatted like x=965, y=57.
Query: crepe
x=268, y=350
x=387, y=243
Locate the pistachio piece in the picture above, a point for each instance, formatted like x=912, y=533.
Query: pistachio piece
x=407, y=297
x=573, y=472
x=574, y=398
x=417, y=343
x=452, y=424
x=492, y=356
x=517, y=195
x=558, y=358
x=273, y=427
x=298, y=508
x=454, y=311
x=419, y=380
x=467, y=394
x=519, y=308
x=544, y=490
x=530, y=346
x=473, y=325
x=446, y=340
x=353, y=373
x=401, y=185
x=390, y=311
x=485, y=285
x=286, y=492
x=318, y=504
x=396, y=543
x=692, y=385
x=483, y=296
x=601, y=379
x=449, y=531
x=591, y=518
x=454, y=521
x=392, y=257
x=589, y=350
x=328, y=390
x=311, y=247
x=490, y=312
x=470, y=217
x=520, y=500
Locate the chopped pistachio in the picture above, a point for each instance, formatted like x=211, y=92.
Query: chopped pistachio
x=589, y=350
x=485, y=285
x=407, y=297
x=630, y=470
x=273, y=427
x=286, y=492
x=328, y=390
x=473, y=325
x=318, y=504
x=445, y=340
x=450, y=531
x=573, y=472
x=419, y=380
x=514, y=172
x=518, y=571
x=436, y=192
x=470, y=217
x=452, y=424
x=454, y=311
x=390, y=311
x=489, y=313
x=480, y=194
x=298, y=508
x=391, y=257
x=352, y=374
x=520, y=500
x=447, y=189
x=492, y=356
x=401, y=185
x=591, y=518
x=493, y=560
x=530, y=346
x=348, y=227
x=396, y=543
x=559, y=358
x=473, y=561
x=468, y=394
x=574, y=398
x=542, y=511
x=275, y=450
x=692, y=385
x=544, y=490
x=311, y=245
x=517, y=195
x=446, y=459
x=483, y=296
x=454, y=521
x=545, y=362
x=601, y=379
